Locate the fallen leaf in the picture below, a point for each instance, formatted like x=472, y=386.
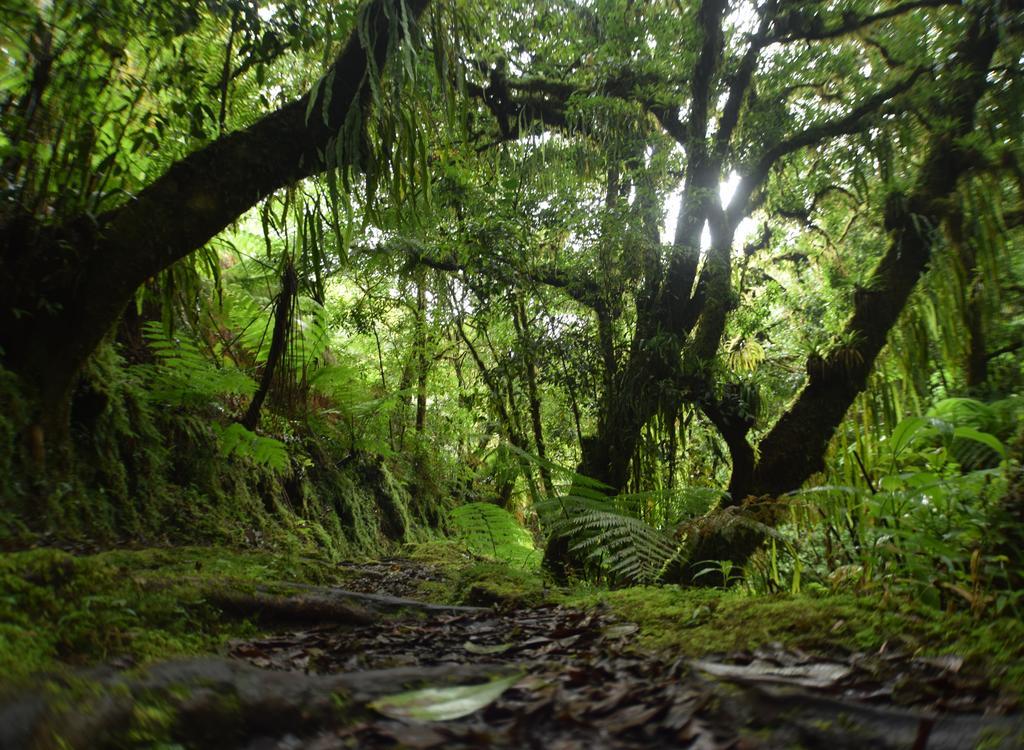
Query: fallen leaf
x=819, y=675
x=621, y=630
x=628, y=718
x=479, y=648
x=947, y=662
x=418, y=736
x=443, y=704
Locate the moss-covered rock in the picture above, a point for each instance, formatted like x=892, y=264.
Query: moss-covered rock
x=489, y=584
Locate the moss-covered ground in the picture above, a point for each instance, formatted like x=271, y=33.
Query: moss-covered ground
x=128, y=606
x=131, y=607
x=695, y=623
x=700, y=622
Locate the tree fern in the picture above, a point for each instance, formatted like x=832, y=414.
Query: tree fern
x=184, y=376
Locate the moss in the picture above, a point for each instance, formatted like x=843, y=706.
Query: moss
x=487, y=584
x=150, y=722
x=698, y=622
x=122, y=480
x=140, y=605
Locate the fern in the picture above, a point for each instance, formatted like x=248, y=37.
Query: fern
x=491, y=531
x=629, y=548
x=236, y=440
x=612, y=532
x=744, y=355
x=184, y=376
x=249, y=306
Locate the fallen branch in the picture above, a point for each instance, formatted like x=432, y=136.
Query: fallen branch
x=299, y=602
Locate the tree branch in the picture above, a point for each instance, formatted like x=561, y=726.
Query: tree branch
x=795, y=447
x=182, y=209
x=741, y=81
x=813, y=28
x=583, y=290
x=845, y=125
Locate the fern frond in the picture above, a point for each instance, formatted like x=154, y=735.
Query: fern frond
x=185, y=376
x=492, y=531
x=236, y=440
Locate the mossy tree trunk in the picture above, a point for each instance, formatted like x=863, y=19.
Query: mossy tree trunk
x=794, y=449
x=682, y=305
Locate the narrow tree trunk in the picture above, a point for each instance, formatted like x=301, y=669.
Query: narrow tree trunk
x=399, y=415
x=530, y=367
x=976, y=360
x=26, y=109
x=504, y=410
x=422, y=363
x=283, y=314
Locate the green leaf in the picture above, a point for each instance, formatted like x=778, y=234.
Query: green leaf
x=905, y=433
x=969, y=433
x=443, y=704
x=313, y=93
x=328, y=93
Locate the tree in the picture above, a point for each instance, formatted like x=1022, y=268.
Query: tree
x=755, y=103
x=513, y=245
x=66, y=284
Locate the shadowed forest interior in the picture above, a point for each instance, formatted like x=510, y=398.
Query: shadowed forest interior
x=504, y=343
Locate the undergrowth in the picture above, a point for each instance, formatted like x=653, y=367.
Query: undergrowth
x=168, y=465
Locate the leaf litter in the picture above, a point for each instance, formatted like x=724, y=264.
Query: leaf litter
x=581, y=681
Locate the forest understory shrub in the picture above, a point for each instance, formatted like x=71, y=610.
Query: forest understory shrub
x=936, y=516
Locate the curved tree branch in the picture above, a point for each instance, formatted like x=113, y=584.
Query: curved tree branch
x=87, y=271
x=851, y=122
x=809, y=27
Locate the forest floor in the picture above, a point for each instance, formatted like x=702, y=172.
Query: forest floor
x=282, y=653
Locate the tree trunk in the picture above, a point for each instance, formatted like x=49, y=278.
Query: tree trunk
x=278, y=342
x=399, y=415
x=533, y=394
x=795, y=447
x=976, y=359
x=506, y=415
x=422, y=364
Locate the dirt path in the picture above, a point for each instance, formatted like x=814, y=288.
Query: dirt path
x=573, y=680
